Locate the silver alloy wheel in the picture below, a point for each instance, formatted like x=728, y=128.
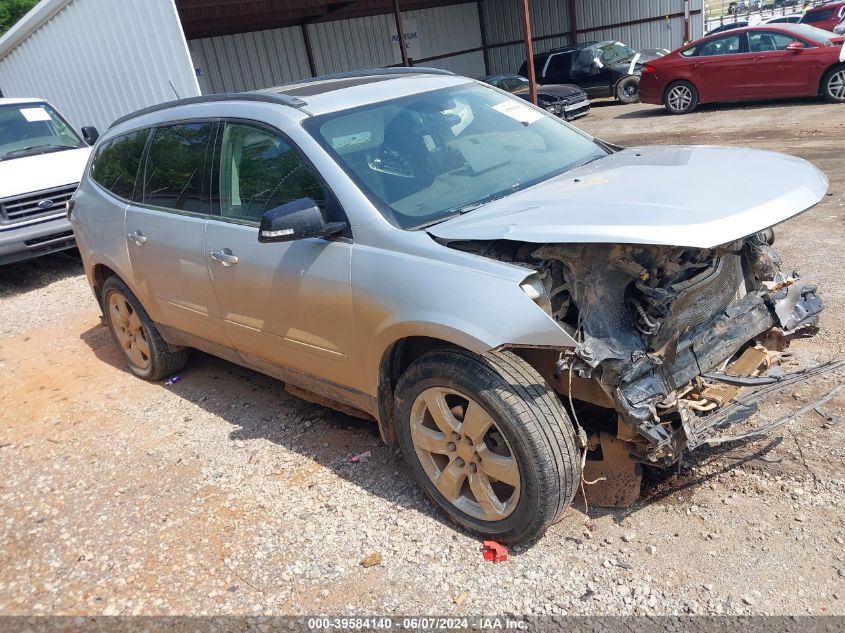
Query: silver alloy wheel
x=679, y=98
x=836, y=84
x=465, y=454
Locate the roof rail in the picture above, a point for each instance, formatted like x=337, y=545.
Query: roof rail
x=366, y=72
x=267, y=97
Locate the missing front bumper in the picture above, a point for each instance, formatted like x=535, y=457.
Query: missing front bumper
x=783, y=310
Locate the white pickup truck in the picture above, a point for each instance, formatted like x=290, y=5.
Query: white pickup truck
x=41, y=161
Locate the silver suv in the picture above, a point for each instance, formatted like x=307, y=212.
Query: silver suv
x=517, y=304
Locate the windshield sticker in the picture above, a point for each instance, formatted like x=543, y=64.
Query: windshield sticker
x=518, y=112
x=339, y=142
x=35, y=114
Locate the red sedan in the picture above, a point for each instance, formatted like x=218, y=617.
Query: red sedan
x=826, y=16
x=761, y=62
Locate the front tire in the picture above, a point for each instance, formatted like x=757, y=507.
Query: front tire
x=628, y=89
x=147, y=354
x=488, y=441
x=833, y=84
x=681, y=98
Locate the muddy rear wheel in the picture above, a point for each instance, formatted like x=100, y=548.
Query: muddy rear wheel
x=146, y=352
x=488, y=442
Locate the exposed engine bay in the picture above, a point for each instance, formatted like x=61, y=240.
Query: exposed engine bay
x=667, y=337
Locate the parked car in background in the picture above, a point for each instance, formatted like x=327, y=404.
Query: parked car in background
x=826, y=16
x=601, y=69
x=460, y=266
x=745, y=5
x=730, y=26
x=41, y=162
x=564, y=100
x=761, y=62
x=792, y=18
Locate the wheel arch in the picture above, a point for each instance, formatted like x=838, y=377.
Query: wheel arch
x=401, y=353
x=99, y=274
x=826, y=72
x=395, y=359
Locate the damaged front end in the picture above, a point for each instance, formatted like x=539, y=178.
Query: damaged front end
x=667, y=336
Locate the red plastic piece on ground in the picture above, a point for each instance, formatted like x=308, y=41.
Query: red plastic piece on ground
x=494, y=552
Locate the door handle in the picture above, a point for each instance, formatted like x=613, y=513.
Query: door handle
x=137, y=237
x=225, y=257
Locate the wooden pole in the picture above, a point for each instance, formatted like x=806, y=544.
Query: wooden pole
x=529, y=52
x=401, y=32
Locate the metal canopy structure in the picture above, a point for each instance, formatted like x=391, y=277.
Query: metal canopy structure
x=136, y=54
x=219, y=18
x=210, y=18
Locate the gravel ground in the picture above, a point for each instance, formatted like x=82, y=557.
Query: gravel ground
x=223, y=494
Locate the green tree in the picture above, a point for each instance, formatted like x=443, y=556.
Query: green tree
x=13, y=10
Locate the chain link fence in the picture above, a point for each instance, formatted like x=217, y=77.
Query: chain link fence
x=719, y=12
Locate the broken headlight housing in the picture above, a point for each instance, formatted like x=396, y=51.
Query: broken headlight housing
x=537, y=292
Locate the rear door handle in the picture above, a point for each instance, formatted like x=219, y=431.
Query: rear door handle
x=225, y=257
x=137, y=237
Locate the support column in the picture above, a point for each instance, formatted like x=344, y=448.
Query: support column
x=309, y=52
x=400, y=32
x=483, y=27
x=529, y=52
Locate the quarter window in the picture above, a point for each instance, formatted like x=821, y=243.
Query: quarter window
x=116, y=164
x=173, y=176
x=260, y=171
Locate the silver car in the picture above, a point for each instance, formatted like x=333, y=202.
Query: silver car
x=517, y=304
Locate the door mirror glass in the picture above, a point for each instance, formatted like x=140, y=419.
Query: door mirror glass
x=296, y=220
x=90, y=134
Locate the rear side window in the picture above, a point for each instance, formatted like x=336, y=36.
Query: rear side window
x=174, y=175
x=558, y=64
x=259, y=171
x=767, y=41
x=727, y=45
x=115, y=167
x=818, y=16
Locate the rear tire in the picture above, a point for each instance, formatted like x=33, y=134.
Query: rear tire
x=681, y=97
x=833, y=84
x=506, y=466
x=147, y=354
x=628, y=89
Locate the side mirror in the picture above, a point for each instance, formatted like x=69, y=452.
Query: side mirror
x=296, y=220
x=795, y=47
x=90, y=134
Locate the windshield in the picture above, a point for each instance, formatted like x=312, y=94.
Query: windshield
x=616, y=53
x=430, y=156
x=33, y=128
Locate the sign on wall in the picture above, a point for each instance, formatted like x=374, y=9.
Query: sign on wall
x=412, y=41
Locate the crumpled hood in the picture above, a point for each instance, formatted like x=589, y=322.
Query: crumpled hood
x=697, y=197
x=42, y=171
